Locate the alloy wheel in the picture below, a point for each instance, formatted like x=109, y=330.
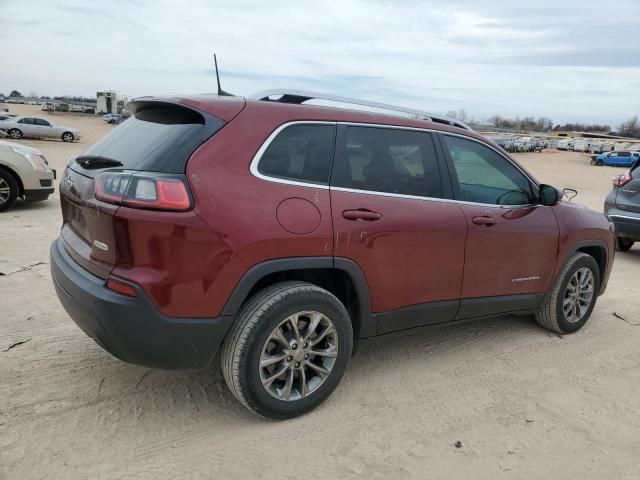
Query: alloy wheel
x=298, y=356
x=578, y=295
x=5, y=191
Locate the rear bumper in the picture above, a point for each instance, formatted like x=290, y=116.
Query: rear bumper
x=627, y=224
x=132, y=329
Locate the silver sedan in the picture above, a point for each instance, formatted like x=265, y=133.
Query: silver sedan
x=23, y=126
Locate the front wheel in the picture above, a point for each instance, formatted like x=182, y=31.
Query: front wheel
x=288, y=349
x=9, y=190
x=15, y=134
x=624, y=244
x=599, y=163
x=67, y=137
x=569, y=304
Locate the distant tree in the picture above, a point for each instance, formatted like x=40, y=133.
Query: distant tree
x=459, y=115
x=630, y=128
x=33, y=94
x=496, y=120
x=15, y=93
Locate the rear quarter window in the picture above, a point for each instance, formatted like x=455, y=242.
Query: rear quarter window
x=300, y=153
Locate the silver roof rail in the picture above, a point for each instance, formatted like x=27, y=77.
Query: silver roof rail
x=301, y=96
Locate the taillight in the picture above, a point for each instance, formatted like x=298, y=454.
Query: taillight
x=623, y=179
x=156, y=191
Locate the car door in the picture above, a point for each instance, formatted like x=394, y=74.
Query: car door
x=512, y=241
x=43, y=127
x=392, y=215
x=27, y=127
x=611, y=159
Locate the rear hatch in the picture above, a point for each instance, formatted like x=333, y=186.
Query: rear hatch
x=158, y=139
x=628, y=195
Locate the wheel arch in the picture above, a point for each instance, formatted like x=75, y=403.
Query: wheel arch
x=340, y=276
x=17, y=178
x=594, y=248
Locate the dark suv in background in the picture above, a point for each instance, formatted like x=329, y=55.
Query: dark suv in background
x=279, y=234
x=622, y=206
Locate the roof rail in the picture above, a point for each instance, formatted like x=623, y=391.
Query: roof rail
x=301, y=96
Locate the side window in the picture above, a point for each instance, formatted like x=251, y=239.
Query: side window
x=300, y=152
x=388, y=160
x=487, y=177
x=41, y=122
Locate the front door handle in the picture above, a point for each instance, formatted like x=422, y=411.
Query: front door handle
x=485, y=220
x=362, y=214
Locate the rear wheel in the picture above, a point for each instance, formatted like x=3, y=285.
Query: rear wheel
x=15, y=133
x=624, y=244
x=9, y=190
x=288, y=349
x=67, y=137
x=569, y=304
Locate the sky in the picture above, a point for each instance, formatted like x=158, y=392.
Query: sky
x=567, y=60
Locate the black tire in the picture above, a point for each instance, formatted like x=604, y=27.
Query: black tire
x=67, y=137
x=15, y=133
x=551, y=314
x=8, y=181
x=624, y=244
x=599, y=163
x=258, y=318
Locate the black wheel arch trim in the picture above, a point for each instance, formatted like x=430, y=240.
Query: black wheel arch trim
x=240, y=293
x=576, y=248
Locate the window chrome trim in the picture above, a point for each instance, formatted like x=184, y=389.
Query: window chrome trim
x=256, y=160
x=625, y=217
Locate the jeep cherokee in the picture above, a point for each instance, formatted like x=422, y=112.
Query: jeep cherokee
x=279, y=233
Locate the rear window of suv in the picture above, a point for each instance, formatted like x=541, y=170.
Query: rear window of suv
x=159, y=137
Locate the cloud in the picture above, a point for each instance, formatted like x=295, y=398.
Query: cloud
x=567, y=60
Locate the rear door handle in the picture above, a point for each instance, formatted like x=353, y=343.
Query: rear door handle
x=485, y=220
x=362, y=214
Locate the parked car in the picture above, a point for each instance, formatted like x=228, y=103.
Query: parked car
x=22, y=126
x=622, y=206
x=24, y=173
x=615, y=159
x=113, y=118
x=229, y=224
x=4, y=108
x=76, y=108
x=6, y=116
x=565, y=144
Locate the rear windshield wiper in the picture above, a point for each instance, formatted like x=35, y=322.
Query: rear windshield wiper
x=97, y=161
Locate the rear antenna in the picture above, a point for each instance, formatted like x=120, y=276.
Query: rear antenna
x=221, y=92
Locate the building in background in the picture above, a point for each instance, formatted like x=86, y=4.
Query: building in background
x=107, y=102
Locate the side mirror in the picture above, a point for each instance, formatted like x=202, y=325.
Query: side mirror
x=549, y=195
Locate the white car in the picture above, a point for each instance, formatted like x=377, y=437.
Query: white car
x=24, y=173
x=22, y=126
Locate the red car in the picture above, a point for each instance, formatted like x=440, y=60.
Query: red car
x=279, y=234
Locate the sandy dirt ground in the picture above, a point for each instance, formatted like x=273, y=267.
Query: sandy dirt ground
x=524, y=403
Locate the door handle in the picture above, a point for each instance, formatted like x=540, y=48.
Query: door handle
x=485, y=220
x=362, y=214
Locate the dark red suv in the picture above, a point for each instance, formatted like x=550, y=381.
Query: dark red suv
x=280, y=233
